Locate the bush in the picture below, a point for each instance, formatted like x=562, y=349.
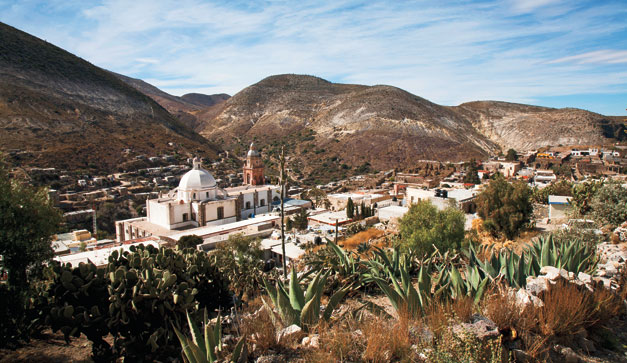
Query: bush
x=609, y=204
x=424, y=228
x=505, y=208
x=137, y=298
x=189, y=241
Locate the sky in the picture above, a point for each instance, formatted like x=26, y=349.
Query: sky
x=557, y=53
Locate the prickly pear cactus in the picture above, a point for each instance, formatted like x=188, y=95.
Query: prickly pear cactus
x=138, y=298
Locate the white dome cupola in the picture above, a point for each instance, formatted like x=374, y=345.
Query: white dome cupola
x=197, y=184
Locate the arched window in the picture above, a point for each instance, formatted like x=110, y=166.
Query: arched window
x=262, y=202
x=194, y=196
x=275, y=199
x=207, y=195
x=247, y=205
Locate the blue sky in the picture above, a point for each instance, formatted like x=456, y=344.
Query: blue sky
x=558, y=53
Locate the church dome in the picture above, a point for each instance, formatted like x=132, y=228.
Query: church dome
x=197, y=179
x=253, y=151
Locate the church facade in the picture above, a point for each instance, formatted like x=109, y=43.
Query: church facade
x=199, y=202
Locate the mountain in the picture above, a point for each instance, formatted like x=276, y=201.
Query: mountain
x=325, y=124
x=334, y=124
x=525, y=127
x=184, y=108
x=59, y=110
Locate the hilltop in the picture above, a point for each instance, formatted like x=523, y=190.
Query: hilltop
x=325, y=125
x=59, y=110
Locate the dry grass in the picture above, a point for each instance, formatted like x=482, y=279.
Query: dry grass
x=567, y=310
x=259, y=327
x=439, y=315
x=387, y=339
x=352, y=242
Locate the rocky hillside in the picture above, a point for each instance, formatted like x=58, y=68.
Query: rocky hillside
x=59, y=110
x=185, y=108
x=324, y=125
x=323, y=122
x=525, y=127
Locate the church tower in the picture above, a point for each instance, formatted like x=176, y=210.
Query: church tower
x=253, y=169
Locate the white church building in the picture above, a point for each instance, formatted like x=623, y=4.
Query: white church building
x=198, y=202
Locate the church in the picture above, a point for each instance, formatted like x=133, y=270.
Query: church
x=198, y=202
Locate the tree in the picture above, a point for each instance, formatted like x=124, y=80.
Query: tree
x=424, y=228
x=562, y=187
x=289, y=224
x=472, y=175
x=190, y=241
x=583, y=194
x=109, y=213
x=301, y=219
x=28, y=220
x=317, y=196
x=511, y=155
x=505, y=208
x=350, y=208
x=609, y=204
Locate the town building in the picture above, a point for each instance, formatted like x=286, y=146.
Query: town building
x=198, y=202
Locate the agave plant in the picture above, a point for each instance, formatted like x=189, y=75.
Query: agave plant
x=573, y=256
x=204, y=348
x=403, y=295
x=505, y=265
x=299, y=307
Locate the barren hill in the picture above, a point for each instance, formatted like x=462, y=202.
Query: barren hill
x=348, y=124
x=184, y=108
x=326, y=124
x=525, y=127
x=59, y=110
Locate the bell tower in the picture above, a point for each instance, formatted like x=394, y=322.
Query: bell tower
x=253, y=169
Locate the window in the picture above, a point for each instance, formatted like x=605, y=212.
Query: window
x=247, y=205
x=262, y=202
x=207, y=195
x=194, y=196
x=185, y=217
x=220, y=212
x=275, y=199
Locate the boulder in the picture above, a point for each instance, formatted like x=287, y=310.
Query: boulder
x=311, y=341
x=584, y=277
x=479, y=326
x=553, y=273
x=568, y=354
x=536, y=285
x=524, y=298
x=292, y=332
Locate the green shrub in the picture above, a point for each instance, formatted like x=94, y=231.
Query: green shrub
x=424, y=228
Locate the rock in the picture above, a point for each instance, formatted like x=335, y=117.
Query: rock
x=272, y=358
x=480, y=326
x=536, y=285
x=525, y=298
x=553, y=273
x=521, y=356
x=584, y=277
x=312, y=341
x=292, y=332
x=568, y=354
x=587, y=345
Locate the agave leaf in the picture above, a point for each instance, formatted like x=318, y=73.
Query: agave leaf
x=272, y=291
x=308, y=315
x=196, y=336
x=297, y=297
x=185, y=345
x=393, y=296
x=286, y=311
x=481, y=290
x=240, y=353
x=334, y=301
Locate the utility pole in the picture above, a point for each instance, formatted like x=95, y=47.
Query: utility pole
x=336, y=224
x=282, y=181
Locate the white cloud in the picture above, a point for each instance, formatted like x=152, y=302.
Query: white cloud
x=607, y=56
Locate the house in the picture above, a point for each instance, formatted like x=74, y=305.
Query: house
x=559, y=208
